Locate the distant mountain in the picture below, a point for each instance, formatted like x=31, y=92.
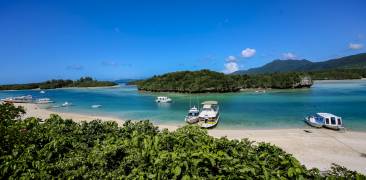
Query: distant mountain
x=357, y=61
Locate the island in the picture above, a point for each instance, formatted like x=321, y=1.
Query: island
x=59, y=83
x=210, y=81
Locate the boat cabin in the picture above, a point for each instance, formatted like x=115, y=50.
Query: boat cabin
x=330, y=119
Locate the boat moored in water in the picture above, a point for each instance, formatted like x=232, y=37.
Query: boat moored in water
x=209, y=115
x=43, y=101
x=96, y=106
x=192, y=116
x=163, y=99
x=65, y=104
x=18, y=99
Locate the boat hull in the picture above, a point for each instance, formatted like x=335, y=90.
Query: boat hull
x=209, y=125
x=334, y=127
x=313, y=124
x=191, y=120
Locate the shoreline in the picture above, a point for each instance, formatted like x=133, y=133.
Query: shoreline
x=318, y=149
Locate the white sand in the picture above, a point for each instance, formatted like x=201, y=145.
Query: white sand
x=317, y=149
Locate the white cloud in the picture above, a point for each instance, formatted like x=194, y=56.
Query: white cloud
x=231, y=67
x=289, y=56
x=355, y=46
x=248, y=52
x=231, y=59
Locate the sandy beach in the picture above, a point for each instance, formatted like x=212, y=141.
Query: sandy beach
x=316, y=148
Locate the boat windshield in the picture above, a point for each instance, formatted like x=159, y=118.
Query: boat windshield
x=193, y=114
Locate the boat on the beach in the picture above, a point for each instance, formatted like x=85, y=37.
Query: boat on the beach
x=18, y=99
x=96, y=106
x=209, y=115
x=327, y=120
x=43, y=101
x=65, y=104
x=315, y=121
x=192, y=116
x=163, y=99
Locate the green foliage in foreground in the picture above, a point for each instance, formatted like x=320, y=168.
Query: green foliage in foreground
x=210, y=81
x=52, y=84
x=64, y=149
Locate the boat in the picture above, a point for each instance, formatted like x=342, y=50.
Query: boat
x=96, y=106
x=326, y=120
x=43, y=101
x=315, y=121
x=192, y=116
x=332, y=121
x=42, y=92
x=18, y=99
x=209, y=115
x=163, y=99
x=65, y=104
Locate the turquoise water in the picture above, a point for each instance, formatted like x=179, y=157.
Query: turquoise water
x=273, y=109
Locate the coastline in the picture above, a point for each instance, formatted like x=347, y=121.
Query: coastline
x=319, y=149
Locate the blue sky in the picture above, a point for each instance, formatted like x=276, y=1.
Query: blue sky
x=109, y=40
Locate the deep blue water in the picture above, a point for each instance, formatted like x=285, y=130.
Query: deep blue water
x=273, y=109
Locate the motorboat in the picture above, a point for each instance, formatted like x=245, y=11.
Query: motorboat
x=163, y=99
x=327, y=120
x=18, y=99
x=209, y=115
x=65, y=104
x=315, y=121
x=192, y=116
x=96, y=106
x=43, y=101
x=42, y=92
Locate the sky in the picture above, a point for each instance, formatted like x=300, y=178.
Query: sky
x=110, y=40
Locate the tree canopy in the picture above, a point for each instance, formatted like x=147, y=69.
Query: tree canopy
x=58, y=148
x=59, y=83
x=210, y=81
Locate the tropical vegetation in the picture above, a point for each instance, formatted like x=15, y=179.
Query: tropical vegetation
x=60, y=83
x=62, y=149
x=211, y=81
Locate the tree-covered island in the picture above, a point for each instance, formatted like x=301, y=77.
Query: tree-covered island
x=211, y=81
x=59, y=83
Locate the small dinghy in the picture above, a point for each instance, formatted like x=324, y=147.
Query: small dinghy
x=65, y=104
x=96, y=106
x=163, y=99
x=314, y=121
x=192, y=116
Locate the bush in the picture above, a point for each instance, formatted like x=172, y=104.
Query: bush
x=63, y=149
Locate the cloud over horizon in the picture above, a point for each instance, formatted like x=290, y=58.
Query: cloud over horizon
x=355, y=46
x=248, y=53
x=289, y=56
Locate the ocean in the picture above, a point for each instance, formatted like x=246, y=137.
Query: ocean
x=242, y=110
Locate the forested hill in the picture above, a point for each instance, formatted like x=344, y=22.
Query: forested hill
x=211, y=81
x=357, y=61
x=60, y=83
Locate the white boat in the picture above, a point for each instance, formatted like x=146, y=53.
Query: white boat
x=96, y=106
x=42, y=92
x=327, y=120
x=315, y=121
x=332, y=121
x=65, y=104
x=19, y=99
x=192, y=116
x=163, y=99
x=43, y=101
x=209, y=115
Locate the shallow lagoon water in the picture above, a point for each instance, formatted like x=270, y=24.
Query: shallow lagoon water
x=250, y=110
